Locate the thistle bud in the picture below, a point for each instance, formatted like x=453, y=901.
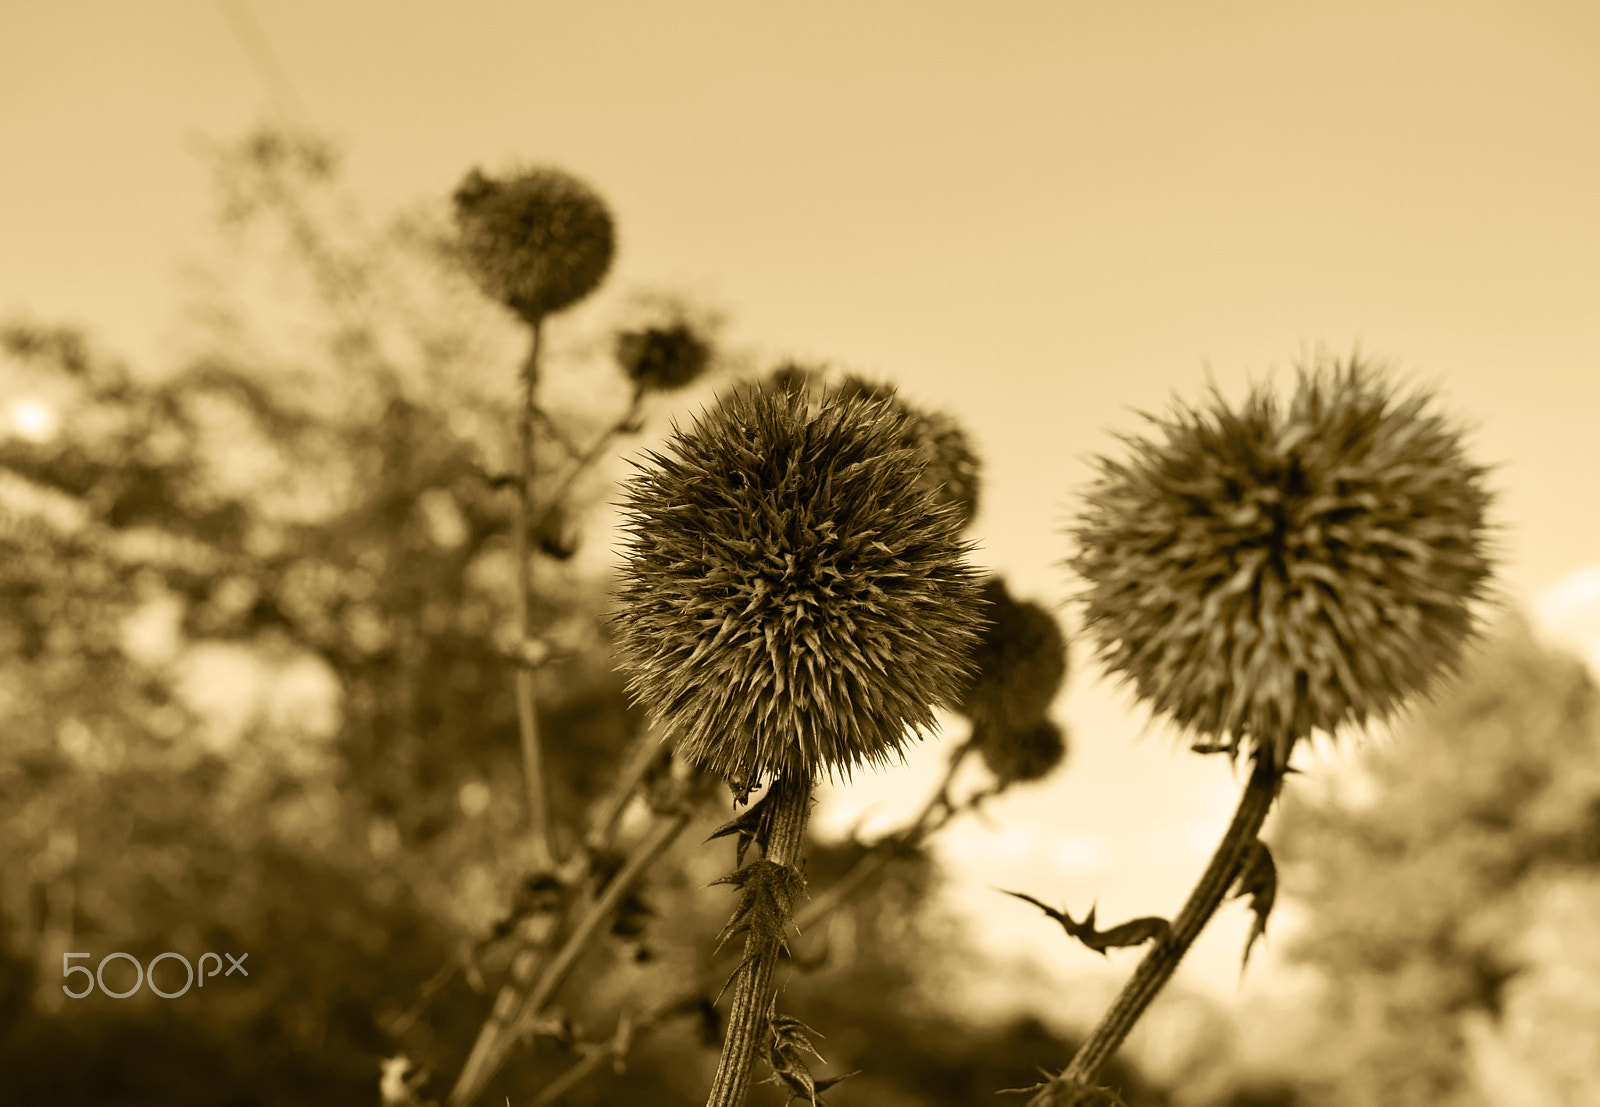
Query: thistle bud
x=1257, y=574
x=663, y=358
x=1021, y=754
x=1021, y=660
x=537, y=242
x=794, y=600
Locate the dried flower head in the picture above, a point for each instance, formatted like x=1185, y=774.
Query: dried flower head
x=791, y=376
x=663, y=358
x=1258, y=575
x=537, y=242
x=793, y=599
x=1021, y=754
x=1021, y=659
x=952, y=473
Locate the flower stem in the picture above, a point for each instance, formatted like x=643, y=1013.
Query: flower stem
x=934, y=814
x=497, y=1042
x=753, y=988
x=527, y=708
x=1162, y=961
x=627, y=423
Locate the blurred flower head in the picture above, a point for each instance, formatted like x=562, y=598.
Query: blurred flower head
x=1021, y=659
x=793, y=599
x=663, y=358
x=952, y=472
x=538, y=242
x=1022, y=753
x=1258, y=574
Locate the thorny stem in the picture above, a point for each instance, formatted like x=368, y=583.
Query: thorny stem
x=527, y=709
x=1161, y=962
x=753, y=988
x=934, y=814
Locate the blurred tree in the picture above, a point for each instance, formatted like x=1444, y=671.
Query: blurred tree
x=1452, y=910
x=253, y=680
x=254, y=691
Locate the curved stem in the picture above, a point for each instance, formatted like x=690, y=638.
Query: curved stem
x=753, y=988
x=1162, y=961
x=527, y=708
x=588, y=457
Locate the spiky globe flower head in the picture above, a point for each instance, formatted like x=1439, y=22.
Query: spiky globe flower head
x=537, y=242
x=1021, y=661
x=664, y=357
x=1258, y=574
x=793, y=600
x=952, y=473
x=1023, y=753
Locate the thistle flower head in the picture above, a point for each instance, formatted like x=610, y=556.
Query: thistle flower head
x=1021, y=659
x=663, y=357
x=537, y=242
x=952, y=472
x=1021, y=754
x=793, y=600
x=1258, y=574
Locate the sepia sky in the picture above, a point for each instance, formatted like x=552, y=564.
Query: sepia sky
x=1037, y=216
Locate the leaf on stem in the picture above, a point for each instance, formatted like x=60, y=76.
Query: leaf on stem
x=1131, y=933
x=786, y=1054
x=767, y=894
x=753, y=825
x=1258, y=879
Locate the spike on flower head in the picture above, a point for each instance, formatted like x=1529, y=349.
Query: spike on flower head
x=953, y=470
x=538, y=242
x=953, y=467
x=793, y=599
x=1258, y=574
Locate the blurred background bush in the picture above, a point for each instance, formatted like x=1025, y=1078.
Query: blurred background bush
x=255, y=700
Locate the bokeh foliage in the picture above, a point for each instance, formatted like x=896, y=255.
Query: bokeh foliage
x=1451, y=909
x=255, y=699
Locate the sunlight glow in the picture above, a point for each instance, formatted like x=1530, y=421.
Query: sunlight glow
x=1569, y=611
x=32, y=419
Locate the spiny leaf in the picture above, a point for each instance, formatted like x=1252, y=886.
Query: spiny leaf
x=1044, y=1072
x=1064, y=1093
x=1258, y=878
x=753, y=825
x=767, y=894
x=786, y=1054
x=1131, y=933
